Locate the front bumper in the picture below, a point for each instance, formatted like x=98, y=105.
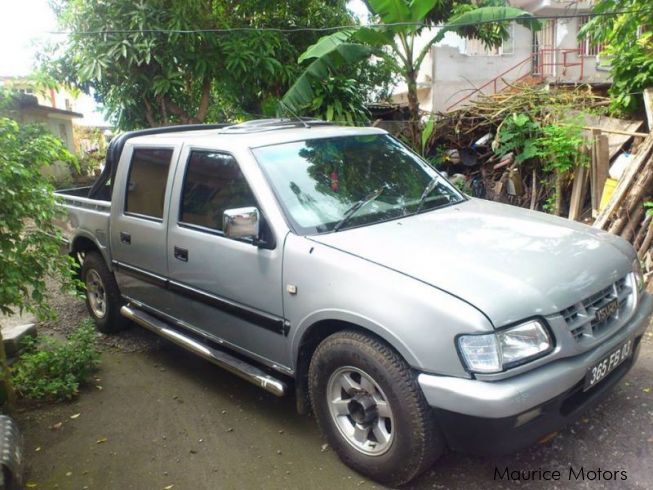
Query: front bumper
x=530, y=405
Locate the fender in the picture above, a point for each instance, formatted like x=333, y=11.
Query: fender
x=297, y=334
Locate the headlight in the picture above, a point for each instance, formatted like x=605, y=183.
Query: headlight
x=494, y=352
x=639, y=275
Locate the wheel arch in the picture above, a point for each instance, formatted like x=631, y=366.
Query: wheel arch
x=307, y=340
x=85, y=243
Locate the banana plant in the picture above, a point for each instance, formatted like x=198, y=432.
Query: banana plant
x=400, y=22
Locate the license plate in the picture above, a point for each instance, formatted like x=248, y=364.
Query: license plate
x=606, y=311
x=608, y=364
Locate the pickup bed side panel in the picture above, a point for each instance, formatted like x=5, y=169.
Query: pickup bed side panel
x=88, y=219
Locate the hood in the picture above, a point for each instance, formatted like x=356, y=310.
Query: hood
x=509, y=262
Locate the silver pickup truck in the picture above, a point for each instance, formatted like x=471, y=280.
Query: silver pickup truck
x=335, y=263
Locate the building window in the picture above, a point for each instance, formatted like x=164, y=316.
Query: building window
x=146, y=184
x=585, y=45
x=213, y=184
x=63, y=133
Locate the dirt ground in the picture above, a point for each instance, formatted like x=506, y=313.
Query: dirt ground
x=156, y=417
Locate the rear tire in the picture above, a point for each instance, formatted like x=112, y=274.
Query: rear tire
x=103, y=299
x=371, y=410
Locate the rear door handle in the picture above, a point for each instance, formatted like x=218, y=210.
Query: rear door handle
x=181, y=254
x=125, y=238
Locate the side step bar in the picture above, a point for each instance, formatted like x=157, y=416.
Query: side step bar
x=240, y=368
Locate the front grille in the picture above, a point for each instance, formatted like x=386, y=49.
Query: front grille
x=581, y=317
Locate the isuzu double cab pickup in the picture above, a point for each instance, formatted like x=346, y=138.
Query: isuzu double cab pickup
x=334, y=262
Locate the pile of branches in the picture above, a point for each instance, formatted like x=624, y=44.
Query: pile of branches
x=484, y=114
x=490, y=173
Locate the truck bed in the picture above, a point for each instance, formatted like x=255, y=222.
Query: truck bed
x=86, y=218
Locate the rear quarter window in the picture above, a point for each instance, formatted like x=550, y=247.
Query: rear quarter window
x=146, y=183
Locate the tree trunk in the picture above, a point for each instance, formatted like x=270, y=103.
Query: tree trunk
x=413, y=107
x=204, y=101
x=558, y=196
x=149, y=114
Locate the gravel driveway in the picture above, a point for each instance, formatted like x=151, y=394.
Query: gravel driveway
x=156, y=417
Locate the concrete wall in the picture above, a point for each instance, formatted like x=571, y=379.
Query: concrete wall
x=457, y=74
x=455, y=67
x=59, y=125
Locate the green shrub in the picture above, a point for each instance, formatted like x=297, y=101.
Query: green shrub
x=53, y=370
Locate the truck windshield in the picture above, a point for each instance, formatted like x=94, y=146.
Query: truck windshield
x=325, y=184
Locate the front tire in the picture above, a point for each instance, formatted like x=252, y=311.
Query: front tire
x=370, y=408
x=103, y=299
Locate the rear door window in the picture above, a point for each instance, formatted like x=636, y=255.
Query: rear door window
x=146, y=184
x=213, y=183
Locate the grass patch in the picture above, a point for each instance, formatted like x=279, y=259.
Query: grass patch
x=53, y=370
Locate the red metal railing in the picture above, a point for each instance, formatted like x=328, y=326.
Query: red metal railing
x=541, y=64
x=538, y=66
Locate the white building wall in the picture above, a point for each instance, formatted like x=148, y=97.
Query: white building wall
x=455, y=67
x=458, y=74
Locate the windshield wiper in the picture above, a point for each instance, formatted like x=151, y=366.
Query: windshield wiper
x=354, y=209
x=427, y=190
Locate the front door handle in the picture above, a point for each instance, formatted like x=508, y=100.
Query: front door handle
x=125, y=238
x=181, y=254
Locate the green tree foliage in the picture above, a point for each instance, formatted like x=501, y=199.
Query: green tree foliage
x=518, y=134
x=337, y=98
x=30, y=243
x=400, y=23
x=628, y=41
x=557, y=148
x=146, y=77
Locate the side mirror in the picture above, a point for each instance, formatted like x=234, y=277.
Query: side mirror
x=241, y=223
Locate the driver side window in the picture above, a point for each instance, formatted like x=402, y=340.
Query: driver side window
x=213, y=183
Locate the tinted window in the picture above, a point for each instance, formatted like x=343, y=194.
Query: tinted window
x=146, y=185
x=213, y=183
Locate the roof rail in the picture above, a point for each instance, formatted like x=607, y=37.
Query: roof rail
x=258, y=125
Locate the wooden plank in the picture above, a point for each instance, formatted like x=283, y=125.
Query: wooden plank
x=595, y=192
x=648, y=105
x=578, y=192
x=602, y=165
x=643, y=154
x=646, y=244
x=617, y=131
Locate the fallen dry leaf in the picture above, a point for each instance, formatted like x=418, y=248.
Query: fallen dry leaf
x=99, y=387
x=547, y=438
x=57, y=426
x=31, y=484
x=646, y=390
x=74, y=416
x=38, y=449
x=101, y=440
x=169, y=487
